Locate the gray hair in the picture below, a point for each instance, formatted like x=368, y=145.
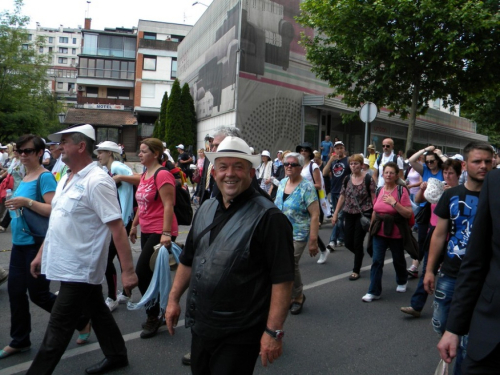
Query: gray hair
x=227, y=131
x=80, y=137
x=296, y=155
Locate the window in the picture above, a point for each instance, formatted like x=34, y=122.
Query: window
x=118, y=93
x=30, y=36
x=50, y=49
x=149, y=63
x=73, y=51
x=71, y=86
x=63, y=39
x=63, y=50
x=74, y=40
x=173, y=72
x=73, y=62
x=25, y=46
x=92, y=92
x=51, y=39
x=40, y=49
x=148, y=90
x=59, y=85
x=150, y=36
x=62, y=60
x=101, y=68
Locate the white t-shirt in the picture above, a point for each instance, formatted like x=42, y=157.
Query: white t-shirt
x=77, y=241
x=385, y=159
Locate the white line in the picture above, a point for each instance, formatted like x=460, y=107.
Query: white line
x=135, y=335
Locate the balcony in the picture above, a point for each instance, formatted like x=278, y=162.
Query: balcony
x=162, y=45
x=88, y=100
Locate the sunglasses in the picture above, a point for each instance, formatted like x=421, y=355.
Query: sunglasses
x=26, y=151
x=293, y=165
x=386, y=146
x=304, y=150
x=430, y=161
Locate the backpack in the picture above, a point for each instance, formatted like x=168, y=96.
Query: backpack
x=394, y=159
x=411, y=220
x=182, y=208
x=368, y=179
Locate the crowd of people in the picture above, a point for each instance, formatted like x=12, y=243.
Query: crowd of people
x=242, y=279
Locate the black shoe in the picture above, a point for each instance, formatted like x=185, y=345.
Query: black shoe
x=296, y=307
x=151, y=327
x=107, y=364
x=186, y=359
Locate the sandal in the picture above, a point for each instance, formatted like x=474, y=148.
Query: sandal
x=83, y=338
x=354, y=276
x=7, y=353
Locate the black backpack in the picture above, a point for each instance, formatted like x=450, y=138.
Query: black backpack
x=182, y=208
x=394, y=159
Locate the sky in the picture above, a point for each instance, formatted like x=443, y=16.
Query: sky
x=107, y=13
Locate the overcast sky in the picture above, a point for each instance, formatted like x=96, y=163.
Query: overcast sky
x=107, y=13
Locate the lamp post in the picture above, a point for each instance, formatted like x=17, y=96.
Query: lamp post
x=199, y=2
x=61, y=116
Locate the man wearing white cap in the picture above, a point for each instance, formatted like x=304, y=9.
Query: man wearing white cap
x=239, y=273
x=85, y=213
x=184, y=160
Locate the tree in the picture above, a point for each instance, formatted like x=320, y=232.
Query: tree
x=401, y=54
x=175, y=124
x=26, y=106
x=189, y=114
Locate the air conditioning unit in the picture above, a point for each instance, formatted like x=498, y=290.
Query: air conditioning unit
x=81, y=88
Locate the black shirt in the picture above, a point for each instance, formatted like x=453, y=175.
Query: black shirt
x=339, y=169
x=184, y=156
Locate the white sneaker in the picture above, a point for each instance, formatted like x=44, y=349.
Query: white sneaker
x=2, y=229
x=401, y=288
x=322, y=257
x=111, y=303
x=121, y=298
x=331, y=246
x=369, y=297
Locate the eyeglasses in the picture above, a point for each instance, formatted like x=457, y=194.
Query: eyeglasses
x=386, y=146
x=26, y=151
x=293, y=165
x=430, y=161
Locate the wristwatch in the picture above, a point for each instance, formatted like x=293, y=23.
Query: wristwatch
x=277, y=335
x=30, y=203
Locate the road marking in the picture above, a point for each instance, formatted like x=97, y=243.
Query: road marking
x=135, y=335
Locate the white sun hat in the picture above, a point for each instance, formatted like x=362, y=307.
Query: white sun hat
x=234, y=147
x=435, y=189
x=108, y=146
x=266, y=153
x=86, y=129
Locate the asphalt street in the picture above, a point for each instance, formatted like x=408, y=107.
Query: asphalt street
x=336, y=333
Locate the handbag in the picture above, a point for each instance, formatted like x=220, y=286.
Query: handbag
x=365, y=222
x=196, y=176
x=37, y=225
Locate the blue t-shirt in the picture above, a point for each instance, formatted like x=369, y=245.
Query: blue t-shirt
x=295, y=207
x=125, y=191
x=326, y=147
x=28, y=190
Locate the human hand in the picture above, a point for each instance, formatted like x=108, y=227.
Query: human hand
x=16, y=203
x=389, y=199
x=313, y=247
x=429, y=282
x=36, y=266
x=429, y=148
x=447, y=346
x=334, y=219
x=270, y=349
x=438, y=152
x=129, y=281
x=133, y=234
x=172, y=315
x=166, y=241
x=117, y=178
x=423, y=186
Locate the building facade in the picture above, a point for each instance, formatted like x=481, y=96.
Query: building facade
x=245, y=67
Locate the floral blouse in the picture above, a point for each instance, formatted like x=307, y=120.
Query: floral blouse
x=351, y=192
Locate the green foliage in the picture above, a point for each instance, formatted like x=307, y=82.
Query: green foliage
x=189, y=114
x=26, y=106
x=401, y=54
x=156, y=130
x=163, y=118
x=175, y=124
x=484, y=109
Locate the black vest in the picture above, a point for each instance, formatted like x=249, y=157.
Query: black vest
x=229, y=291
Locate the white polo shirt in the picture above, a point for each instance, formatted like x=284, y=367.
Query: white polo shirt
x=77, y=241
x=380, y=167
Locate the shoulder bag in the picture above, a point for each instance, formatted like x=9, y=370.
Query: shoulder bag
x=365, y=222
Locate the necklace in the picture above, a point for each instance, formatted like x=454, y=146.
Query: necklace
x=34, y=170
x=388, y=192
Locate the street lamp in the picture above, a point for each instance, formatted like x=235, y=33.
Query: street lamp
x=199, y=2
x=61, y=116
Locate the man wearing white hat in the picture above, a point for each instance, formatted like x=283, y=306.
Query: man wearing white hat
x=184, y=160
x=85, y=213
x=239, y=273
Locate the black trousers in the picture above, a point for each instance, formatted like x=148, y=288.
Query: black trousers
x=223, y=356
x=490, y=365
x=73, y=299
x=354, y=236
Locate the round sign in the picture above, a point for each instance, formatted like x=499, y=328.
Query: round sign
x=368, y=112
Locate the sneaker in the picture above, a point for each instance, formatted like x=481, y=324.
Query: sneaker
x=413, y=271
x=4, y=275
x=150, y=328
x=401, y=288
x=369, y=297
x=331, y=246
x=340, y=243
x=186, y=359
x=322, y=257
x=411, y=311
x=111, y=303
x=2, y=229
x=121, y=298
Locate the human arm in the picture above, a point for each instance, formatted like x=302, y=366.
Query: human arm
x=419, y=198
x=313, y=209
x=327, y=168
x=340, y=204
x=36, y=264
x=119, y=234
x=270, y=348
x=403, y=208
x=41, y=208
x=133, y=179
x=438, y=240
x=167, y=195
x=317, y=177
x=375, y=173
x=181, y=283
x=447, y=346
x=416, y=184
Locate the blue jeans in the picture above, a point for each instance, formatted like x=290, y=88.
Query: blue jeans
x=419, y=297
x=21, y=282
x=338, y=228
x=380, y=245
x=445, y=287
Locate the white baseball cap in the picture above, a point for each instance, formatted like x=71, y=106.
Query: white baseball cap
x=181, y=146
x=108, y=146
x=457, y=157
x=86, y=129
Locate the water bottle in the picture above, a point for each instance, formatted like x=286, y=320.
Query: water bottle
x=13, y=213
